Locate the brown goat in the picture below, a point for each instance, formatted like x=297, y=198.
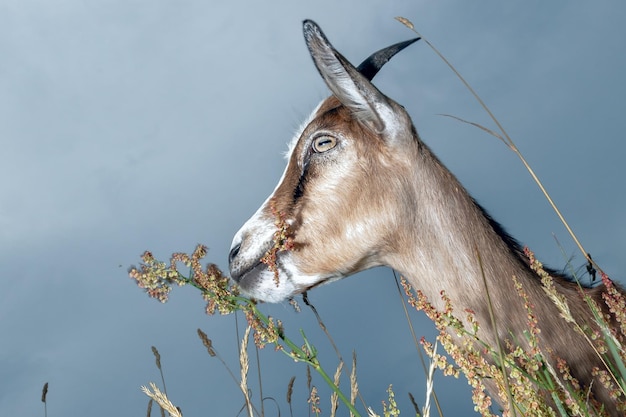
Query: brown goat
x=361, y=190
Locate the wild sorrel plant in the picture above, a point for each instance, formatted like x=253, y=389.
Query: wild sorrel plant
x=158, y=278
x=534, y=386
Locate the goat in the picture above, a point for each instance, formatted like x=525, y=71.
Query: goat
x=361, y=189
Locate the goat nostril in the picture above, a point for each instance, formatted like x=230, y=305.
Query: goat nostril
x=233, y=253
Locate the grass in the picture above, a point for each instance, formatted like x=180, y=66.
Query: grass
x=158, y=279
x=527, y=380
x=530, y=384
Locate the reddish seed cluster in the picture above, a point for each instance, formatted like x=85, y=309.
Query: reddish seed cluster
x=616, y=303
x=478, y=361
x=283, y=241
x=459, y=337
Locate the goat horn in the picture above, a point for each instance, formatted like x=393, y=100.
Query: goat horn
x=370, y=67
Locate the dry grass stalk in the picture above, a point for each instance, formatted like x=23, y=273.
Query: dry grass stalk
x=208, y=344
x=416, y=408
x=334, y=397
x=289, y=393
x=244, y=366
x=213, y=353
x=354, y=386
x=506, y=139
x=157, y=357
x=161, y=399
x=44, y=393
x=429, y=382
x=371, y=412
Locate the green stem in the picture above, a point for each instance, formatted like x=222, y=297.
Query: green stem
x=316, y=365
x=295, y=352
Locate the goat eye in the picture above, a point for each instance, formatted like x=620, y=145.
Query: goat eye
x=324, y=143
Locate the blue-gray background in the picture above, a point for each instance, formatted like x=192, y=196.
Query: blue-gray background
x=133, y=125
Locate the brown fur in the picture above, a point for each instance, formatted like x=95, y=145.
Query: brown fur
x=381, y=197
x=395, y=194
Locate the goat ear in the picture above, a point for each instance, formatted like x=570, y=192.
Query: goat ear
x=352, y=88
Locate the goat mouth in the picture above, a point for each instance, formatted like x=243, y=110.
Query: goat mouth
x=256, y=276
x=248, y=277
x=260, y=283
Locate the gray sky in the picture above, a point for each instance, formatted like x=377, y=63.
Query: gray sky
x=127, y=126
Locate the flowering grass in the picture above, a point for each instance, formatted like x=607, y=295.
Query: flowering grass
x=158, y=278
x=530, y=385
x=527, y=382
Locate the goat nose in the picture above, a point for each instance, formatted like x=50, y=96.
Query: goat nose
x=234, y=251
